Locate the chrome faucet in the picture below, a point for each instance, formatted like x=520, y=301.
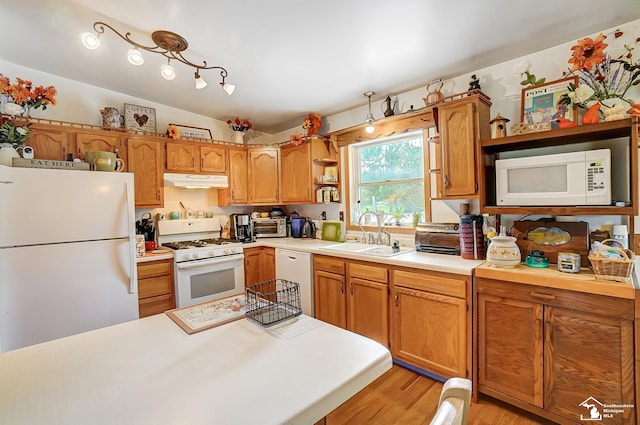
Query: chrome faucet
x=379, y=221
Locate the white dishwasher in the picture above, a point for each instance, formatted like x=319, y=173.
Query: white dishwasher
x=295, y=266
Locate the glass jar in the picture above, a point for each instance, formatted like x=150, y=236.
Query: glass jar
x=503, y=252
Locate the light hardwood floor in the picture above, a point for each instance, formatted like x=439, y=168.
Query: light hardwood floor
x=401, y=396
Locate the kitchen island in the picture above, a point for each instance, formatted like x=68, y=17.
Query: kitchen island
x=150, y=371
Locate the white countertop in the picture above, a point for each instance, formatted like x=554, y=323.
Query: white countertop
x=414, y=259
x=150, y=371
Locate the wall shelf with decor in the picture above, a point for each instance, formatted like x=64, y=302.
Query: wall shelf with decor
x=621, y=136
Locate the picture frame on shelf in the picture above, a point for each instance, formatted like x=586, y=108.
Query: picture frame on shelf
x=140, y=118
x=331, y=174
x=193, y=133
x=541, y=103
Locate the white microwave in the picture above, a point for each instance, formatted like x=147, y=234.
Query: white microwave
x=571, y=179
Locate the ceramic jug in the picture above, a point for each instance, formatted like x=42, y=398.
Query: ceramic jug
x=111, y=118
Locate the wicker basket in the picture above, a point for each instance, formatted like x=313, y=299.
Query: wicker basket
x=613, y=269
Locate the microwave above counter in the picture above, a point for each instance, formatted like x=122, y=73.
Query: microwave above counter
x=572, y=178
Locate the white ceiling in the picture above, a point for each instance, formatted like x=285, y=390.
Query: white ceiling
x=287, y=57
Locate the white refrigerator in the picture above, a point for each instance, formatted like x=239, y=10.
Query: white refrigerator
x=67, y=253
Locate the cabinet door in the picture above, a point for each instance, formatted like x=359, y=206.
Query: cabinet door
x=213, y=159
x=588, y=355
x=264, y=166
x=50, y=144
x=100, y=141
x=330, y=298
x=181, y=157
x=510, y=347
x=251, y=266
x=296, y=173
x=268, y=263
x=238, y=191
x=457, y=138
x=429, y=331
x=146, y=163
x=368, y=309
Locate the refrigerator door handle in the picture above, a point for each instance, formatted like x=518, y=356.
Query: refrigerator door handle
x=133, y=275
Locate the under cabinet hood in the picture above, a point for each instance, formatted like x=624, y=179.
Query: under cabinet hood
x=201, y=181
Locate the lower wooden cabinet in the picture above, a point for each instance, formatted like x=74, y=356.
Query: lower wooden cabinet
x=155, y=287
x=352, y=295
x=259, y=265
x=550, y=350
x=430, y=321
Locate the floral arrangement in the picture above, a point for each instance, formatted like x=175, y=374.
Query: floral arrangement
x=296, y=139
x=24, y=97
x=238, y=125
x=522, y=69
x=173, y=132
x=602, y=76
x=312, y=123
x=12, y=132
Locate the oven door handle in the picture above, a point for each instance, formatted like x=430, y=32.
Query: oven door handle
x=209, y=262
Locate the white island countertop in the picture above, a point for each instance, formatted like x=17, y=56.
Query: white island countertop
x=150, y=371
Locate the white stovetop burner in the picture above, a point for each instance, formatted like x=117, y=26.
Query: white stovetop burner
x=195, y=239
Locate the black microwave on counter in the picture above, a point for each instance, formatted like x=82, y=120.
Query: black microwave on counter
x=272, y=227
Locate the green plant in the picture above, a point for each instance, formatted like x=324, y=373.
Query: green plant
x=12, y=132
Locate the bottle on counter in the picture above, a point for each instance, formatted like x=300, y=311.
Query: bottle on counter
x=621, y=234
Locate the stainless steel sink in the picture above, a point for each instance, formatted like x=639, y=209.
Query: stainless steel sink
x=360, y=248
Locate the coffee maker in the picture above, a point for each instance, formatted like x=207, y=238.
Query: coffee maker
x=240, y=227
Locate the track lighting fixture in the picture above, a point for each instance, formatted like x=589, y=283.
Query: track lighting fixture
x=168, y=44
x=370, y=128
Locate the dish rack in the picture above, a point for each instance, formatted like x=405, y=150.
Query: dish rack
x=273, y=301
x=615, y=269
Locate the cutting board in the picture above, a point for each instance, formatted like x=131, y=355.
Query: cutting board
x=332, y=231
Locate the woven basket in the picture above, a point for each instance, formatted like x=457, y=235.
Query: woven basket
x=618, y=270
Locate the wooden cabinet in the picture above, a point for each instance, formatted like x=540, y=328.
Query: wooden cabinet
x=101, y=141
x=49, y=142
x=462, y=123
x=295, y=174
x=193, y=157
x=264, y=175
x=259, y=265
x=155, y=287
x=145, y=162
x=431, y=321
x=238, y=191
x=549, y=350
x=352, y=295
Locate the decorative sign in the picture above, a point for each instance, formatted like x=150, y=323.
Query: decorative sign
x=139, y=118
x=542, y=103
x=188, y=132
x=49, y=163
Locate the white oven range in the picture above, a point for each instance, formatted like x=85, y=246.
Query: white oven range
x=206, y=267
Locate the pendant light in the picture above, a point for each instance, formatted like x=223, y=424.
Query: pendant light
x=370, y=128
x=200, y=82
x=167, y=71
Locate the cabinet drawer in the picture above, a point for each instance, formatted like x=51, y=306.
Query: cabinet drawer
x=439, y=283
x=153, y=286
x=603, y=305
x=156, y=305
x=328, y=264
x=154, y=268
x=364, y=271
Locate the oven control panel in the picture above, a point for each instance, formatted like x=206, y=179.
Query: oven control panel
x=204, y=253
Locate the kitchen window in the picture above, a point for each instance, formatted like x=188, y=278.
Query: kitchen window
x=386, y=176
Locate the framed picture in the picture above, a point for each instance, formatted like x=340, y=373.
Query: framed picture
x=331, y=174
x=542, y=103
x=139, y=118
x=188, y=132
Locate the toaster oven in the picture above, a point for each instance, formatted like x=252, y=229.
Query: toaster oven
x=272, y=227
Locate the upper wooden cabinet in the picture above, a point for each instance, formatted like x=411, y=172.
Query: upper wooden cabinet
x=462, y=123
x=194, y=157
x=238, y=191
x=101, y=141
x=49, y=142
x=295, y=172
x=264, y=175
x=145, y=162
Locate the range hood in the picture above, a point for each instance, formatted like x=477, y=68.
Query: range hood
x=193, y=181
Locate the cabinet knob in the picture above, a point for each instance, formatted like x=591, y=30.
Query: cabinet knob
x=396, y=300
x=446, y=182
x=351, y=288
